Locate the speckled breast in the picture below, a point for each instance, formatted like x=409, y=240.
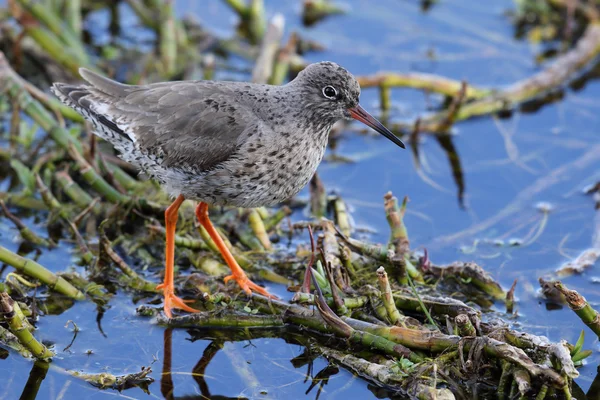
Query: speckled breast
x=264, y=172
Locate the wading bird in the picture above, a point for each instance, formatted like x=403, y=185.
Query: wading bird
x=221, y=143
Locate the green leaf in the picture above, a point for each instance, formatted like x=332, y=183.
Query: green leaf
x=75, y=131
x=27, y=133
x=579, y=344
x=320, y=268
x=405, y=364
x=583, y=354
x=110, y=52
x=25, y=176
x=320, y=276
x=247, y=309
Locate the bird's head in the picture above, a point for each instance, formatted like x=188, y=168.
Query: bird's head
x=331, y=93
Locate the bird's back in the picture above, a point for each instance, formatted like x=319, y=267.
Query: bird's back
x=176, y=124
x=219, y=142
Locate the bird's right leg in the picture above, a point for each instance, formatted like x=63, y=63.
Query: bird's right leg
x=168, y=286
x=237, y=273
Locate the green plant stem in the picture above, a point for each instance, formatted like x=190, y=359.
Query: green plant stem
x=96, y=292
x=263, y=68
x=129, y=277
x=9, y=340
x=144, y=13
x=55, y=48
x=92, y=177
x=182, y=241
x=315, y=10
x=437, y=305
x=318, y=197
x=50, y=201
x=12, y=85
x=73, y=17
x=523, y=380
x=422, y=306
x=75, y=192
x=412, y=338
x=55, y=25
x=229, y=320
x=37, y=349
x=22, y=201
x=504, y=379
x=342, y=218
x=427, y=82
x=26, y=234
x=388, y=300
x=553, y=76
x=256, y=20
x=274, y=219
x=35, y=270
x=349, y=302
x=464, y=325
x=385, y=98
x=542, y=393
x=124, y=179
x=581, y=307
x=238, y=6
x=210, y=266
x=258, y=227
x=22, y=318
x=168, y=38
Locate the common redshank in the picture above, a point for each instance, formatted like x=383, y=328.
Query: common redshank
x=222, y=143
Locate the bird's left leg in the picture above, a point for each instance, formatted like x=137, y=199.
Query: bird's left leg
x=237, y=273
x=168, y=286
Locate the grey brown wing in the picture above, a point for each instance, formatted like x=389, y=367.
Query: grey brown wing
x=187, y=124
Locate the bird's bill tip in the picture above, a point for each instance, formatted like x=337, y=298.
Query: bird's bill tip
x=360, y=114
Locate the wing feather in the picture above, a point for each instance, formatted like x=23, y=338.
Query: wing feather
x=187, y=124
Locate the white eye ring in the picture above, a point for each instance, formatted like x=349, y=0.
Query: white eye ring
x=327, y=92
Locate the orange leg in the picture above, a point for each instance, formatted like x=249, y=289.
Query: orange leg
x=168, y=286
x=237, y=273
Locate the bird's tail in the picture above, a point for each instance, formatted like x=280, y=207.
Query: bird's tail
x=93, y=102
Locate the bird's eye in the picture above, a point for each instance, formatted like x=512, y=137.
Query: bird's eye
x=330, y=92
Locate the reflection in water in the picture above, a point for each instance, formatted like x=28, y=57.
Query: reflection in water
x=445, y=141
x=167, y=388
x=166, y=380
x=587, y=77
x=306, y=358
x=99, y=317
x=200, y=368
x=233, y=341
x=36, y=376
x=322, y=378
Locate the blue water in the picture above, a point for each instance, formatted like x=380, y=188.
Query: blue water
x=457, y=38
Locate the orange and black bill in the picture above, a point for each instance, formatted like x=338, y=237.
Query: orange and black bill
x=359, y=114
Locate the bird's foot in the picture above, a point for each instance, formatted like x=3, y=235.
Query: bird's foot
x=247, y=285
x=172, y=301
